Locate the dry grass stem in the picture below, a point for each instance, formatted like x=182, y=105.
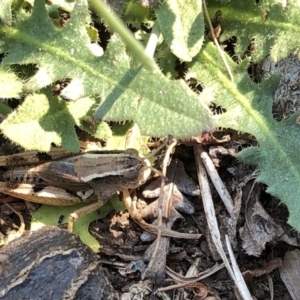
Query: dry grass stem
x=211, y=218
x=239, y=279
x=218, y=183
x=195, y=277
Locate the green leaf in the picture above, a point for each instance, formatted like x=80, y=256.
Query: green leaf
x=270, y=27
x=49, y=215
x=10, y=85
x=155, y=103
x=93, y=34
x=249, y=109
x=182, y=26
x=81, y=110
x=5, y=11
x=157, y=110
x=126, y=136
x=32, y=126
x=167, y=60
x=43, y=119
x=135, y=13
x=5, y=109
x=99, y=130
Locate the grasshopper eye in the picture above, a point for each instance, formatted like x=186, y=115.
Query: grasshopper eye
x=131, y=174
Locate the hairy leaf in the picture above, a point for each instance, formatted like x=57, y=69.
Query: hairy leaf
x=167, y=60
x=5, y=11
x=182, y=25
x=10, y=85
x=39, y=122
x=52, y=122
x=157, y=104
x=249, y=109
x=135, y=13
x=268, y=26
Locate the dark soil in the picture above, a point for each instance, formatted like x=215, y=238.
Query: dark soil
x=122, y=247
x=119, y=237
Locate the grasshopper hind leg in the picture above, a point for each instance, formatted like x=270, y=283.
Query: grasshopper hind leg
x=82, y=212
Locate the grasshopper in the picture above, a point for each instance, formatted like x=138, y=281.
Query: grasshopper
x=95, y=175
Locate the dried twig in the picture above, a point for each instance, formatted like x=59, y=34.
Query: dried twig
x=218, y=183
x=238, y=277
x=212, y=221
x=196, y=277
x=203, y=291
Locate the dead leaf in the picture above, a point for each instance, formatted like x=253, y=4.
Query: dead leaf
x=259, y=227
x=206, y=138
x=290, y=273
